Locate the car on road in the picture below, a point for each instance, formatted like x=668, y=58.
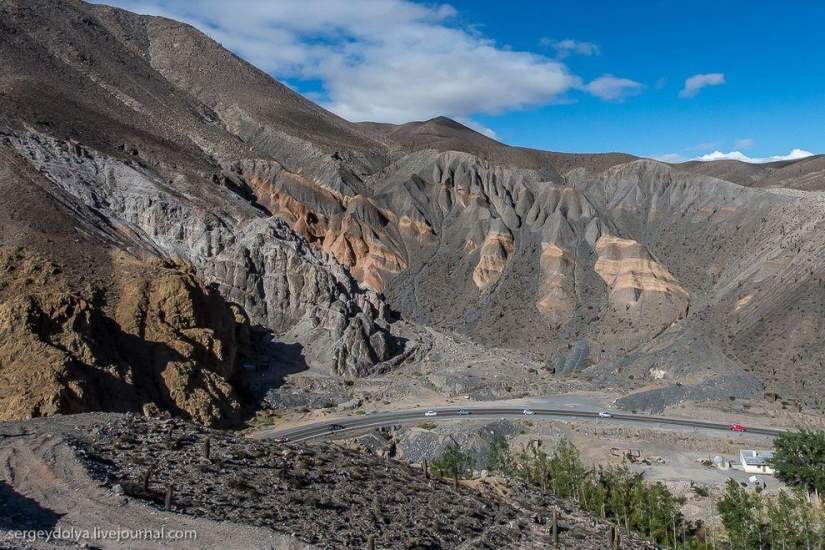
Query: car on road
x=281, y=440
x=431, y=413
x=335, y=427
x=605, y=414
x=463, y=412
x=737, y=428
x=528, y=412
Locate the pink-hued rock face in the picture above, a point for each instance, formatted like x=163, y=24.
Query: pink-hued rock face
x=495, y=253
x=629, y=270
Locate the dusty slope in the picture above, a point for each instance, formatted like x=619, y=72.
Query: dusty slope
x=45, y=486
x=806, y=174
x=329, y=495
x=443, y=134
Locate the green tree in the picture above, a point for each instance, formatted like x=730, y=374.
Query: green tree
x=500, y=458
x=799, y=459
x=533, y=465
x=454, y=460
x=566, y=471
x=612, y=492
x=740, y=512
x=662, y=516
x=620, y=484
x=783, y=521
x=594, y=495
x=811, y=529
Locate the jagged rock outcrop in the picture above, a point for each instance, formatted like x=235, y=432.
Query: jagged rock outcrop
x=634, y=277
x=354, y=229
x=168, y=343
x=494, y=256
x=625, y=257
x=556, y=296
x=256, y=261
x=546, y=262
x=190, y=339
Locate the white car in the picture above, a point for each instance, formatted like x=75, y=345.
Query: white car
x=604, y=414
x=431, y=413
x=528, y=412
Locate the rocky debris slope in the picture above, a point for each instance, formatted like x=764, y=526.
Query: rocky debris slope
x=416, y=443
x=717, y=389
x=327, y=495
x=45, y=486
x=167, y=343
x=751, y=260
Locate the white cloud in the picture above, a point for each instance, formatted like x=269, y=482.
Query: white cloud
x=611, y=88
x=744, y=143
x=699, y=81
x=796, y=154
x=565, y=48
x=676, y=158
x=387, y=61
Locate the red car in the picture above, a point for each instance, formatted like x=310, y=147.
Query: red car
x=737, y=428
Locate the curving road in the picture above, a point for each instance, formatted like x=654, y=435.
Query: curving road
x=320, y=429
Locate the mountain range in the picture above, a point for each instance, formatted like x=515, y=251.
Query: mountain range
x=169, y=212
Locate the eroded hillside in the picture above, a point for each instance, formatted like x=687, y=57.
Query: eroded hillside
x=129, y=140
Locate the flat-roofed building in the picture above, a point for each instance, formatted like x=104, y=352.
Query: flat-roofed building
x=755, y=461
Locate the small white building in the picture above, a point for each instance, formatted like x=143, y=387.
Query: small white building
x=755, y=461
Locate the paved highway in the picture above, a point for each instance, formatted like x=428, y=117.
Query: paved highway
x=320, y=429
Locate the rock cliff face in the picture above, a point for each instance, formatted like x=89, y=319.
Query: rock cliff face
x=168, y=343
x=255, y=261
x=547, y=265
x=354, y=229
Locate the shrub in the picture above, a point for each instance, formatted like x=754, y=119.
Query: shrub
x=454, y=460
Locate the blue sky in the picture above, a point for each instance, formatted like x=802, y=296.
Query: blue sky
x=665, y=79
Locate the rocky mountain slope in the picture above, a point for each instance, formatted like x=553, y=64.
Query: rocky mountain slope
x=136, y=153
x=168, y=342
x=254, y=494
x=807, y=174
x=108, y=169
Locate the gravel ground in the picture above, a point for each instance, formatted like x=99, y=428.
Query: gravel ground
x=326, y=495
x=715, y=389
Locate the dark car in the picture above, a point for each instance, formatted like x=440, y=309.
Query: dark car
x=463, y=412
x=335, y=427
